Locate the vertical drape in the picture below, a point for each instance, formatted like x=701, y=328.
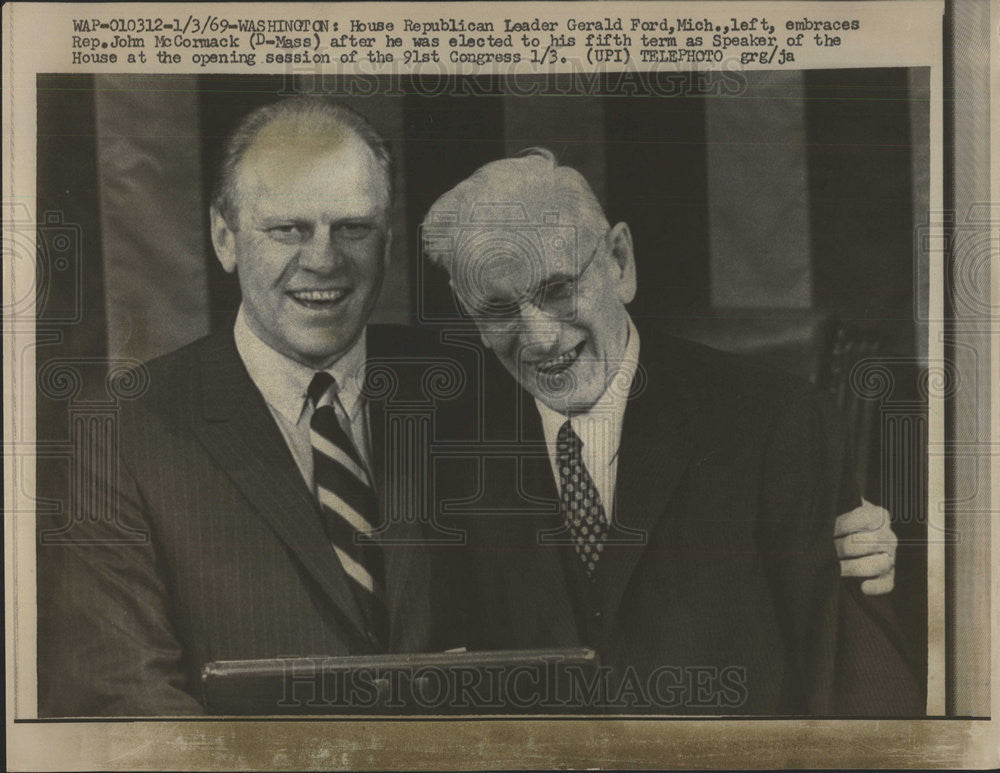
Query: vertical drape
x=572, y=127
x=151, y=213
x=758, y=204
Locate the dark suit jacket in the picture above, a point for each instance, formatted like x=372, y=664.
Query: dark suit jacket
x=729, y=481
x=206, y=544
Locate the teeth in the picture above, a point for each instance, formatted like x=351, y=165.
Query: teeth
x=319, y=295
x=558, y=362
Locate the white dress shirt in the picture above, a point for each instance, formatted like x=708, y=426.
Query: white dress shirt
x=600, y=428
x=283, y=382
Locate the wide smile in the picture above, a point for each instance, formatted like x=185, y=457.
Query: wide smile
x=320, y=300
x=564, y=361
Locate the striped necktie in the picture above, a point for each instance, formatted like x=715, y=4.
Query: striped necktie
x=579, y=501
x=348, y=503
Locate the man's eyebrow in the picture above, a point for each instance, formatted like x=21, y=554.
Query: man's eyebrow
x=499, y=301
x=279, y=217
x=272, y=219
x=355, y=219
x=556, y=277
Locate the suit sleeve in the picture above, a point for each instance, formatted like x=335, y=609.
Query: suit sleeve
x=109, y=644
x=847, y=648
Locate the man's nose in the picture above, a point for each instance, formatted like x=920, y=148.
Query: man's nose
x=321, y=254
x=538, y=330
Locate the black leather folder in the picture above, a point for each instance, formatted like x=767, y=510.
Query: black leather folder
x=549, y=681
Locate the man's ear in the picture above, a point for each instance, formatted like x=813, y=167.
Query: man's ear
x=224, y=241
x=622, y=253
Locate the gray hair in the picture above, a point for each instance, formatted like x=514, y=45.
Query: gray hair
x=307, y=108
x=525, y=189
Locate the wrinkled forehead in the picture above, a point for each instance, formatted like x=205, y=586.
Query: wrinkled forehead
x=525, y=235
x=514, y=223
x=516, y=256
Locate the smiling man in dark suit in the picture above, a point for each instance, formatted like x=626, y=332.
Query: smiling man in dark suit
x=254, y=467
x=670, y=506
x=234, y=523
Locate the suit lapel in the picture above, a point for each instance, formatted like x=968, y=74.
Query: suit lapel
x=241, y=434
x=544, y=582
x=535, y=577
x=657, y=445
x=661, y=432
x=400, y=489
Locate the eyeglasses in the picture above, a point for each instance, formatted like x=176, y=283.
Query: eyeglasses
x=556, y=296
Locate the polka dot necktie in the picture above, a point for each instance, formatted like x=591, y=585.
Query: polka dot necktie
x=580, y=504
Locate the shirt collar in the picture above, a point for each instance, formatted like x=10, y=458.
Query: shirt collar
x=283, y=381
x=609, y=408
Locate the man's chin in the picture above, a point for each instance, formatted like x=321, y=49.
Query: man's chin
x=562, y=394
x=320, y=356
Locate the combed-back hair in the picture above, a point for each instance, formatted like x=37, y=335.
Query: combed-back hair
x=319, y=109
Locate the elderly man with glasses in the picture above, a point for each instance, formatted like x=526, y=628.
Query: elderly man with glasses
x=669, y=505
